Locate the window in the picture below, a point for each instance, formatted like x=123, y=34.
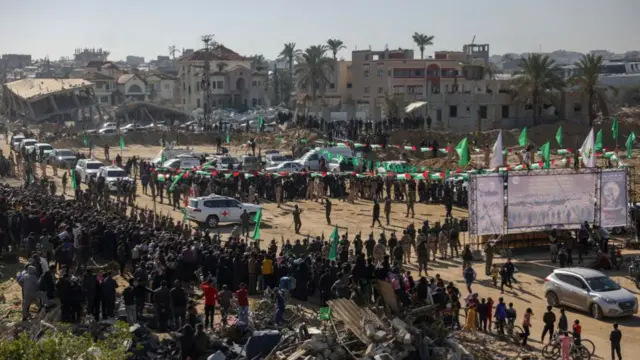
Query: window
x=483, y=111
x=167, y=86
x=376, y=57
x=366, y=57
x=380, y=90
x=332, y=86
x=439, y=114
x=453, y=111
x=189, y=89
x=184, y=101
x=349, y=85
x=213, y=84
x=528, y=107
x=505, y=111
x=398, y=89
x=366, y=89
x=220, y=85
x=254, y=83
x=104, y=99
x=198, y=103
x=254, y=102
x=380, y=73
x=366, y=73
x=577, y=107
x=259, y=101
x=184, y=86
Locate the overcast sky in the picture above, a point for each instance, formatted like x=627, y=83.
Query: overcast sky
x=147, y=28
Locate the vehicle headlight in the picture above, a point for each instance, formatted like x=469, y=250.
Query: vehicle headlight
x=607, y=300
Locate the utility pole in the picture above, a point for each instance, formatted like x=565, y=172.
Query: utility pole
x=206, y=81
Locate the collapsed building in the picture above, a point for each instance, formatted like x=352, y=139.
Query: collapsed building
x=53, y=100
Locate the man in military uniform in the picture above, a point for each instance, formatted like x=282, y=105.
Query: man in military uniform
x=327, y=207
x=244, y=221
x=387, y=209
x=296, y=219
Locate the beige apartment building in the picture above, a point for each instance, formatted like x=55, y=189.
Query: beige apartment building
x=460, y=96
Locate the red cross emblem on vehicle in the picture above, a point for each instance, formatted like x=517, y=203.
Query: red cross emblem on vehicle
x=225, y=213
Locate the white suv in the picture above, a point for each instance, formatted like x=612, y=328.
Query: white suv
x=211, y=210
x=111, y=175
x=87, y=168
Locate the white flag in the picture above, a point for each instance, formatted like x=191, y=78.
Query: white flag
x=587, y=151
x=496, y=155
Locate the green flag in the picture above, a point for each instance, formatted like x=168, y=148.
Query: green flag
x=86, y=140
x=163, y=157
x=523, y=140
x=228, y=139
x=257, y=219
x=74, y=185
x=614, y=128
x=598, y=144
x=121, y=143
x=545, y=153
x=176, y=179
x=333, y=252
x=463, y=152
x=630, y=140
x=559, y=136
x=260, y=123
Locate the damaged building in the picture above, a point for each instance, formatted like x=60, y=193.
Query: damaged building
x=53, y=100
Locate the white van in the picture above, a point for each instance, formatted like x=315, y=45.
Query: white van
x=311, y=160
x=182, y=163
x=166, y=154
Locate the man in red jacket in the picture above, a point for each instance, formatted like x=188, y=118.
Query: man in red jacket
x=243, y=303
x=210, y=297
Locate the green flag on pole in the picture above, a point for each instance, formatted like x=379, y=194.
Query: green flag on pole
x=228, y=139
x=121, y=143
x=176, y=179
x=257, y=219
x=614, y=128
x=74, y=185
x=333, y=252
x=630, y=140
x=545, y=153
x=559, y=136
x=598, y=144
x=523, y=140
x=463, y=152
x=86, y=140
x=260, y=123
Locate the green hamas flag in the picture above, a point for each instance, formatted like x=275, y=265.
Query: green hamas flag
x=463, y=152
x=260, y=123
x=86, y=140
x=559, y=136
x=74, y=185
x=228, y=139
x=333, y=252
x=121, y=143
x=522, y=140
x=630, y=140
x=175, y=181
x=614, y=129
x=545, y=153
x=257, y=219
x=598, y=144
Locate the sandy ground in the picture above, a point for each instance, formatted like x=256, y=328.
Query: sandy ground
x=533, y=268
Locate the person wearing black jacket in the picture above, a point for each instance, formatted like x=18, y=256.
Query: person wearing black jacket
x=109, y=287
x=549, y=319
x=162, y=302
x=129, y=298
x=376, y=213
x=615, y=337
x=178, y=304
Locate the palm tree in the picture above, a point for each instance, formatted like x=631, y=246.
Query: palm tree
x=587, y=80
x=290, y=53
x=538, y=77
x=335, y=45
x=312, y=68
x=221, y=66
x=422, y=41
x=173, y=50
x=258, y=62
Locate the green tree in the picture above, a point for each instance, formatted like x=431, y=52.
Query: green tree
x=422, y=41
x=290, y=53
x=312, y=68
x=537, y=78
x=63, y=345
x=258, y=62
x=588, y=81
x=335, y=46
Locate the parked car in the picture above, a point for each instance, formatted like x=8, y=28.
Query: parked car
x=226, y=163
x=289, y=166
x=16, y=140
x=46, y=150
x=248, y=162
x=111, y=175
x=212, y=210
x=87, y=168
x=63, y=158
x=28, y=144
x=107, y=131
x=274, y=160
x=182, y=162
x=131, y=128
x=335, y=166
x=589, y=290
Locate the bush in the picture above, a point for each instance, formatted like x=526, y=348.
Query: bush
x=63, y=345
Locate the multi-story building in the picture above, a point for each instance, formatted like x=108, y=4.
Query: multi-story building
x=460, y=95
x=161, y=86
x=15, y=61
x=232, y=81
x=134, y=60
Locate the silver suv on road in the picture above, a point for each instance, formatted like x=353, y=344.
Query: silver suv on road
x=589, y=290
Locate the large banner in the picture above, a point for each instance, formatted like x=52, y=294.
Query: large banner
x=560, y=201
x=487, y=205
x=613, y=198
